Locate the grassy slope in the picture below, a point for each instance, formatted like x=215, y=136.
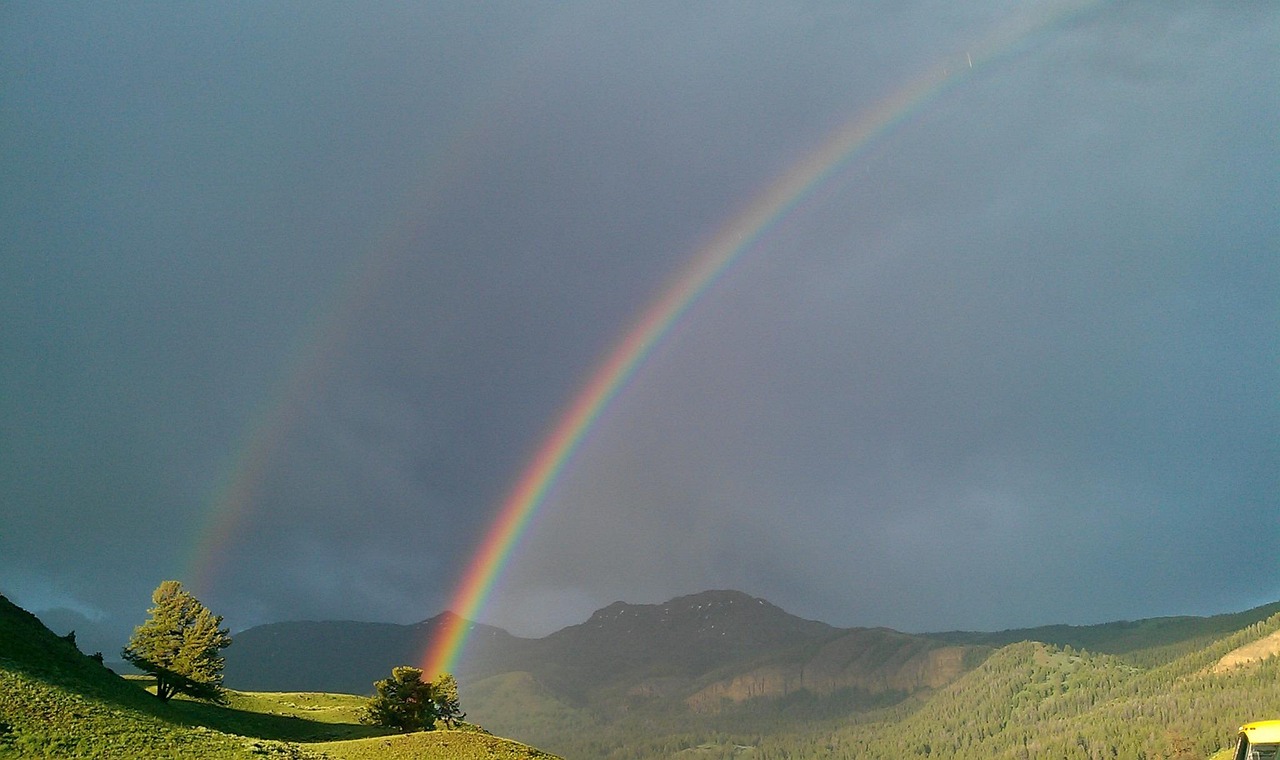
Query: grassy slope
x=56, y=702
x=447, y=745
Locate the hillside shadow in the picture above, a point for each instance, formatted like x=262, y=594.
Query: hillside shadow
x=258, y=725
x=28, y=649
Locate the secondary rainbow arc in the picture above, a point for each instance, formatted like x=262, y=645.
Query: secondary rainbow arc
x=234, y=499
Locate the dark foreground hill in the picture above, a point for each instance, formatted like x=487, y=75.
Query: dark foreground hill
x=55, y=702
x=723, y=674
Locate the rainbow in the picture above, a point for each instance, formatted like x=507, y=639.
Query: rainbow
x=308, y=362
x=709, y=262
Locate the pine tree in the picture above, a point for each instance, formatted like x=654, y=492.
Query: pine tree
x=179, y=644
x=445, y=694
x=403, y=701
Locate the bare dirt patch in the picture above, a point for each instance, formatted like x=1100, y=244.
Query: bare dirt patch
x=1250, y=653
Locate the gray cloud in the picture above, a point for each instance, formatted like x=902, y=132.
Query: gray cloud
x=1014, y=364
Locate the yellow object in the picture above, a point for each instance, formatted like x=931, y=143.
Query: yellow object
x=1258, y=741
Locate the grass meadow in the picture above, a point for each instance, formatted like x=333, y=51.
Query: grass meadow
x=57, y=702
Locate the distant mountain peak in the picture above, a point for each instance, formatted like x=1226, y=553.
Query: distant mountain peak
x=702, y=604
x=686, y=635
x=721, y=598
x=447, y=616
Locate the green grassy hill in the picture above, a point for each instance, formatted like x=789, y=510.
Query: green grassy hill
x=57, y=702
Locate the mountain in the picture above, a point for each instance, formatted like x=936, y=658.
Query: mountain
x=724, y=674
x=725, y=647
x=343, y=656
x=651, y=648
x=704, y=649
x=710, y=656
x=686, y=636
x=704, y=663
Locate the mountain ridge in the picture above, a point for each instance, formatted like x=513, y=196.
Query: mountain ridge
x=620, y=639
x=283, y=655
x=656, y=680
x=1116, y=637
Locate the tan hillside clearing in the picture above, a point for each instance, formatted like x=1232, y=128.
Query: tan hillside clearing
x=1256, y=651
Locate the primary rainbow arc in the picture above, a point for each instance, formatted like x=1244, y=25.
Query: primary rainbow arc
x=734, y=238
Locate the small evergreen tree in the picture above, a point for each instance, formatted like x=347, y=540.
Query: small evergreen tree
x=403, y=701
x=179, y=644
x=448, y=708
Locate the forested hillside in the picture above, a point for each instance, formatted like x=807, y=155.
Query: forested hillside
x=1026, y=700
x=1147, y=642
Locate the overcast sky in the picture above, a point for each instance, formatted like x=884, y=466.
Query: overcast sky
x=1014, y=363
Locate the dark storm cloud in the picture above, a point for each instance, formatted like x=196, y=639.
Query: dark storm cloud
x=1022, y=374
x=1014, y=364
